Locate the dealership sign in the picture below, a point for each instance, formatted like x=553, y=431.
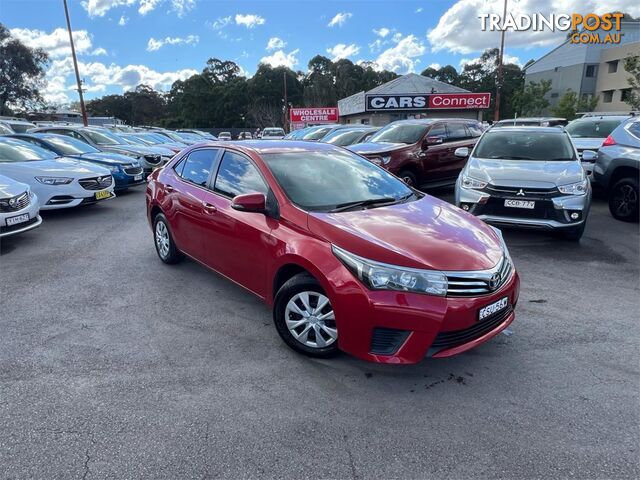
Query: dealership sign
x=314, y=115
x=432, y=101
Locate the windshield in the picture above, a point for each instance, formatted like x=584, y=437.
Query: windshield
x=400, y=133
x=592, y=129
x=135, y=140
x=275, y=132
x=343, y=138
x=316, y=133
x=70, y=146
x=19, y=151
x=320, y=181
x=103, y=137
x=189, y=136
x=527, y=145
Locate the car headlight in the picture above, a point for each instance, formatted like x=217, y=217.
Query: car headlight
x=386, y=159
x=578, y=188
x=380, y=276
x=54, y=180
x=113, y=168
x=472, y=183
x=505, y=250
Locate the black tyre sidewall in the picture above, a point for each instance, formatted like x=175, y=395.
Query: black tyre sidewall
x=407, y=173
x=174, y=255
x=624, y=181
x=295, y=285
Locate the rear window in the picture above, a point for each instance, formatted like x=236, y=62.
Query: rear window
x=591, y=128
x=506, y=144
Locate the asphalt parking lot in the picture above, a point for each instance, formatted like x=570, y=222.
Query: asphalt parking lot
x=114, y=365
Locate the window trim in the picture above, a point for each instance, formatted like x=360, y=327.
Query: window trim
x=212, y=180
x=214, y=167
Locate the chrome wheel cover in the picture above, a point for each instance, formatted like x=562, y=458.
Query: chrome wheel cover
x=310, y=319
x=162, y=239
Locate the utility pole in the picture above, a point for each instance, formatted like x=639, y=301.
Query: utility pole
x=496, y=113
x=286, y=103
x=75, y=66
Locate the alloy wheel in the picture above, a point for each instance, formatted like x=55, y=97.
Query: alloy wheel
x=310, y=319
x=162, y=239
x=625, y=200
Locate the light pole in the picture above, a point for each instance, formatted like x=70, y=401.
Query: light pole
x=75, y=66
x=496, y=113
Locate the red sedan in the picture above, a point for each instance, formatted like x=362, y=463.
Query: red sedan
x=348, y=255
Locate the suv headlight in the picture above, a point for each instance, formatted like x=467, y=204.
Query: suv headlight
x=113, y=168
x=380, y=276
x=54, y=180
x=472, y=183
x=578, y=188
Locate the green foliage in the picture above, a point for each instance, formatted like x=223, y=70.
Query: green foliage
x=530, y=100
x=570, y=104
x=632, y=66
x=22, y=71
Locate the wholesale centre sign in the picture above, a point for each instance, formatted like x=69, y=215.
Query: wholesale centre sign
x=432, y=101
x=314, y=115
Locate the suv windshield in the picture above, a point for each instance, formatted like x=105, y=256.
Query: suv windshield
x=524, y=145
x=19, y=151
x=103, y=138
x=592, y=128
x=70, y=146
x=344, y=137
x=321, y=181
x=400, y=133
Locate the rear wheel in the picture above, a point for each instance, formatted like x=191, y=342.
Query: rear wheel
x=165, y=246
x=409, y=178
x=623, y=200
x=304, y=317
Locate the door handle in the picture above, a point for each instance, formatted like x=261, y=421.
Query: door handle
x=209, y=208
x=169, y=188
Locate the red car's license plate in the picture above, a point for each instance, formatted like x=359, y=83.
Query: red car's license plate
x=493, y=308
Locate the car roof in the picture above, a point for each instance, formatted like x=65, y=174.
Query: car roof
x=595, y=118
x=530, y=119
x=527, y=128
x=271, y=146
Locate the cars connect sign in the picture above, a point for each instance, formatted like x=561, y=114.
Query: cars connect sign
x=432, y=101
x=314, y=115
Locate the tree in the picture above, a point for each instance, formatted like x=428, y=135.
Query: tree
x=570, y=104
x=22, y=71
x=530, y=100
x=447, y=74
x=632, y=66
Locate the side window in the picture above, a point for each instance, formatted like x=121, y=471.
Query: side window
x=197, y=167
x=474, y=129
x=438, y=131
x=237, y=175
x=457, y=131
x=634, y=129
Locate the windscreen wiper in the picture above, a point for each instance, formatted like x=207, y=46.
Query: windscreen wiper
x=341, y=207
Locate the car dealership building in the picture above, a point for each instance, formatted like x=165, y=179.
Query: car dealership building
x=412, y=96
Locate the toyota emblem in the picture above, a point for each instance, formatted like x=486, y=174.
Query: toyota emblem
x=494, y=282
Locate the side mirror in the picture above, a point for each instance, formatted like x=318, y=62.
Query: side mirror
x=435, y=140
x=462, y=152
x=589, y=156
x=250, y=202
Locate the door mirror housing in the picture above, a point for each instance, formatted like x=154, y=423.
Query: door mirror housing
x=462, y=152
x=250, y=202
x=433, y=140
x=589, y=156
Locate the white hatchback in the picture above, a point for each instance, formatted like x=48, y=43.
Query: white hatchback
x=19, y=209
x=58, y=182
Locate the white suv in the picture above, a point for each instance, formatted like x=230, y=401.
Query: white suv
x=19, y=209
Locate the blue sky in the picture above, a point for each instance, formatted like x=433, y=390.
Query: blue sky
x=124, y=42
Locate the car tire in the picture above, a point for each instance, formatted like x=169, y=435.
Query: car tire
x=409, y=178
x=624, y=197
x=163, y=240
x=575, y=234
x=303, y=326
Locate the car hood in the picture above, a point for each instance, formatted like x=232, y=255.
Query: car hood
x=524, y=173
x=587, y=143
x=10, y=188
x=427, y=233
x=64, y=166
x=137, y=149
x=374, y=147
x=110, y=158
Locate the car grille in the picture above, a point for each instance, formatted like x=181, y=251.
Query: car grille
x=133, y=170
x=460, y=337
x=153, y=159
x=523, y=193
x=16, y=203
x=96, y=183
x=387, y=341
x=481, y=282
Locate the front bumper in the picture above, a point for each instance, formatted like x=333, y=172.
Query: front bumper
x=32, y=210
x=69, y=196
x=402, y=328
x=123, y=180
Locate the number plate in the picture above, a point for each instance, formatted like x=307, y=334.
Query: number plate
x=103, y=194
x=520, y=204
x=493, y=308
x=137, y=178
x=17, y=219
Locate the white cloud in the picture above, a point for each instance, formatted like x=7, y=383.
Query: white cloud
x=147, y=6
x=419, y=10
x=249, y=20
x=276, y=43
x=123, y=21
x=435, y=66
x=382, y=32
x=220, y=23
x=182, y=7
x=281, y=59
x=56, y=43
x=339, y=19
x=154, y=45
x=97, y=8
x=343, y=51
x=404, y=56
x=459, y=28
x=98, y=51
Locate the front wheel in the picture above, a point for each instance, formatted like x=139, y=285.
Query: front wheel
x=304, y=317
x=623, y=200
x=165, y=246
x=409, y=178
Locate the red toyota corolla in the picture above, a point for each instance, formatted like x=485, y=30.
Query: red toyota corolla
x=347, y=255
